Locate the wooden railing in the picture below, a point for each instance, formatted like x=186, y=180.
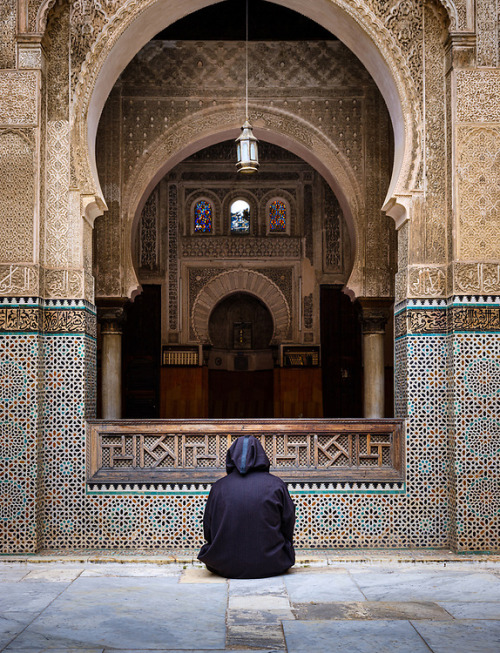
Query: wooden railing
x=194, y=451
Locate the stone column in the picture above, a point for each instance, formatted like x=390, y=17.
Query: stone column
x=373, y=318
x=111, y=383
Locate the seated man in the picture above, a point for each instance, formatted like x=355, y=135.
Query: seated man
x=249, y=517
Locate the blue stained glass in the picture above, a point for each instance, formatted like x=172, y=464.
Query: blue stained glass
x=277, y=216
x=203, y=217
x=240, y=216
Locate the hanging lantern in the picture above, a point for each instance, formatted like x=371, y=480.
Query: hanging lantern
x=246, y=145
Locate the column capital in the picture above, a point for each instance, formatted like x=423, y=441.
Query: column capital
x=111, y=316
x=375, y=311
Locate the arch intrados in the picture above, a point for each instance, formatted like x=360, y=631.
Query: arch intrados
x=338, y=17
x=135, y=203
x=295, y=147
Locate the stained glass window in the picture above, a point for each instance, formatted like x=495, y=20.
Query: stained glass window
x=203, y=217
x=240, y=217
x=277, y=216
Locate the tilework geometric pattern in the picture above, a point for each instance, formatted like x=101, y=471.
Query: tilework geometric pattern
x=475, y=455
x=447, y=387
x=20, y=441
x=453, y=406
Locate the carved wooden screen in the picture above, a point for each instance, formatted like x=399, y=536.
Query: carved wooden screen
x=191, y=451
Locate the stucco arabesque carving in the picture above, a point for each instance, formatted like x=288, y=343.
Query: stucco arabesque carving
x=240, y=280
x=92, y=47
x=209, y=122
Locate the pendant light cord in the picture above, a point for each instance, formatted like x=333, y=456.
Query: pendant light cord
x=246, y=62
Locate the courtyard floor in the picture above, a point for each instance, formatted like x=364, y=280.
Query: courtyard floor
x=356, y=602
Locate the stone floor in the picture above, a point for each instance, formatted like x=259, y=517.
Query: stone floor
x=374, y=603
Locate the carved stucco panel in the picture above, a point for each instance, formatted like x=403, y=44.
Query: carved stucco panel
x=19, y=93
x=57, y=188
x=476, y=278
x=30, y=57
x=61, y=284
x=427, y=281
x=7, y=33
x=19, y=280
x=434, y=233
x=478, y=191
x=17, y=190
x=477, y=93
x=487, y=27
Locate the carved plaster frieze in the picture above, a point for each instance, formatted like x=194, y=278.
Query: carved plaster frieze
x=19, y=92
x=251, y=247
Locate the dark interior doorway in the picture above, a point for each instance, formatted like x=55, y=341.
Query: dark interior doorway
x=141, y=346
x=341, y=354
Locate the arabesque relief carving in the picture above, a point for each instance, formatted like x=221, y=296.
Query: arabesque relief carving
x=17, y=190
x=7, y=33
x=477, y=95
x=478, y=151
x=18, y=90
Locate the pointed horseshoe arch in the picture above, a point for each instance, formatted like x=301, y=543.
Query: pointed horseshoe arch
x=241, y=280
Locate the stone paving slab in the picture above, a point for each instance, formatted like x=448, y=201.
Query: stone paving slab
x=460, y=636
x=249, y=617
x=12, y=624
x=256, y=636
x=370, y=610
x=30, y=597
x=483, y=610
x=258, y=602
x=359, y=636
x=257, y=586
x=427, y=585
x=322, y=587
x=124, y=569
x=121, y=607
x=127, y=612
x=54, y=573
x=12, y=572
x=195, y=575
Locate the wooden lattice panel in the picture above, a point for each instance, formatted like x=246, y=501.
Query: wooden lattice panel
x=130, y=451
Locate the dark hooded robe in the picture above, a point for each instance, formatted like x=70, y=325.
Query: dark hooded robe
x=249, y=517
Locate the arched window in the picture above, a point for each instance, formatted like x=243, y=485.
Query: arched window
x=277, y=216
x=203, y=217
x=240, y=217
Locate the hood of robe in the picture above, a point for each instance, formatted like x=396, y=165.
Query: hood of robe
x=246, y=454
